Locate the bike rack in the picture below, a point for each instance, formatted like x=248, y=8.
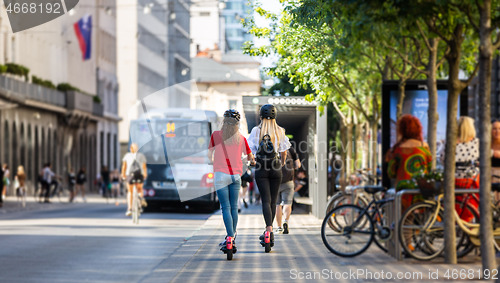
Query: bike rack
x=393, y=246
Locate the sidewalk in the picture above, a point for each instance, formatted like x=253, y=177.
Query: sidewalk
x=299, y=255
x=12, y=204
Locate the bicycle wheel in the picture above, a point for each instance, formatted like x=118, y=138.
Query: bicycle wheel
x=352, y=233
x=464, y=244
x=381, y=225
x=135, y=207
x=343, y=199
x=421, y=231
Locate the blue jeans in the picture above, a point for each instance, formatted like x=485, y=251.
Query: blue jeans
x=228, y=189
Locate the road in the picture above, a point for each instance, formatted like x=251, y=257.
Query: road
x=91, y=242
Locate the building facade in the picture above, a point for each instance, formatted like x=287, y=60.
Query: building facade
x=221, y=80
x=234, y=32
x=153, y=40
x=217, y=25
x=472, y=100
x=70, y=129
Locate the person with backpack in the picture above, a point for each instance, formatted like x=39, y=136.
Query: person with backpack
x=225, y=150
x=269, y=144
x=134, y=171
x=285, y=194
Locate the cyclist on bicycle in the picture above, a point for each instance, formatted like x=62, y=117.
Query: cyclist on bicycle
x=134, y=172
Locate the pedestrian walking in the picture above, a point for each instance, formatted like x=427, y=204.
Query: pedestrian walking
x=115, y=185
x=71, y=184
x=246, y=179
x=225, y=151
x=285, y=194
x=269, y=144
x=81, y=179
x=1, y=178
x=20, y=180
x=49, y=179
x=105, y=181
x=5, y=180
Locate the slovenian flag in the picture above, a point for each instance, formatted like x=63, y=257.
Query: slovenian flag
x=83, y=30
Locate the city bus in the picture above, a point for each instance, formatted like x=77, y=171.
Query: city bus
x=175, y=143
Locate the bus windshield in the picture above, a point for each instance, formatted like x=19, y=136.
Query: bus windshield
x=185, y=141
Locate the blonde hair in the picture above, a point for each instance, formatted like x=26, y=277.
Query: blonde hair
x=466, y=129
x=20, y=170
x=270, y=127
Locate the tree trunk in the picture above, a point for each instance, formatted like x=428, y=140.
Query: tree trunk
x=401, y=98
x=485, y=58
x=366, y=145
x=349, y=151
x=358, y=146
x=454, y=89
x=374, y=141
x=343, y=154
x=433, y=116
x=374, y=148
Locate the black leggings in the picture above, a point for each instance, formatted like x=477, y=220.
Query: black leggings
x=268, y=181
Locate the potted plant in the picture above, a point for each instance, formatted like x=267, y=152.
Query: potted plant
x=430, y=184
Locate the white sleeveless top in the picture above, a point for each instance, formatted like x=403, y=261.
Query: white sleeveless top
x=253, y=141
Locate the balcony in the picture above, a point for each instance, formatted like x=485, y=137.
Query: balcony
x=71, y=100
x=23, y=90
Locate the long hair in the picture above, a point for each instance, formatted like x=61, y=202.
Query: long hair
x=466, y=130
x=230, y=130
x=270, y=127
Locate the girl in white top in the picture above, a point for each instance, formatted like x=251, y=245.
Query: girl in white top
x=268, y=172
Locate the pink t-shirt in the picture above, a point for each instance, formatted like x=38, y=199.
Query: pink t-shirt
x=234, y=154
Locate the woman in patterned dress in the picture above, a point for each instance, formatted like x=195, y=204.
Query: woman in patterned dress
x=409, y=156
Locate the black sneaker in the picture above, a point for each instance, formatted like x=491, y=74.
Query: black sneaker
x=245, y=204
x=285, y=228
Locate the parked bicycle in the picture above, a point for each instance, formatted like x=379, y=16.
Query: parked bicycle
x=348, y=230
x=421, y=229
x=353, y=193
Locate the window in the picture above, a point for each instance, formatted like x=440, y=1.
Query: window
x=15, y=149
x=6, y=149
x=108, y=142
x=233, y=103
x=101, y=142
x=23, y=147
